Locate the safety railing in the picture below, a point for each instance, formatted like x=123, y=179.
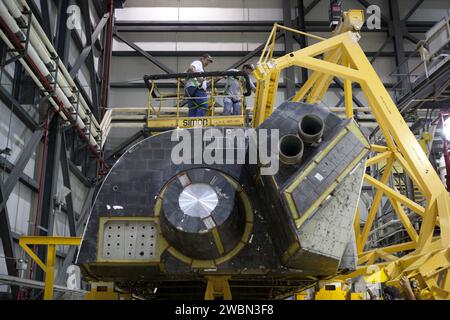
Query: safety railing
x=267, y=52
x=170, y=109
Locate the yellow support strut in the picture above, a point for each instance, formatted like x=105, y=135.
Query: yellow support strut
x=49, y=266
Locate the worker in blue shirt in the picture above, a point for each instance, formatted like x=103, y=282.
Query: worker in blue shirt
x=232, y=101
x=196, y=88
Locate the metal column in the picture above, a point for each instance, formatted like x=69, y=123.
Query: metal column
x=289, y=76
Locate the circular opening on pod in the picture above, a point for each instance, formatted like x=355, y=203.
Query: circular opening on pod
x=198, y=200
x=291, y=149
x=311, y=128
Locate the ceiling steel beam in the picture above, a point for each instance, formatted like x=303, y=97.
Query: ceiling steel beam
x=245, y=26
x=413, y=10
x=239, y=53
x=366, y=4
x=311, y=6
x=145, y=54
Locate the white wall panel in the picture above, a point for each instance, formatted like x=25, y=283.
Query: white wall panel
x=147, y=14
x=14, y=134
x=202, y=41
x=85, y=80
x=132, y=97
x=79, y=192
x=3, y=270
x=93, y=15
x=73, y=52
x=19, y=207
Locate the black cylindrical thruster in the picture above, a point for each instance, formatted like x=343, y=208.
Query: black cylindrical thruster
x=201, y=215
x=310, y=128
x=291, y=149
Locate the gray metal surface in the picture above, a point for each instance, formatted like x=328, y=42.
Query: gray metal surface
x=198, y=200
x=329, y=231
x=129, y=240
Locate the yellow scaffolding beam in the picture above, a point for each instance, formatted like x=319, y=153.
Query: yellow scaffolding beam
x=49, y=265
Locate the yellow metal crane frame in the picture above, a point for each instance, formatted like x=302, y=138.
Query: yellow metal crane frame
x=49, y=265
x=426, y=259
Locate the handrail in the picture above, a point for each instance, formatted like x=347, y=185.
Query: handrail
x=148, y=78
x=155, y=113
x=267, y=52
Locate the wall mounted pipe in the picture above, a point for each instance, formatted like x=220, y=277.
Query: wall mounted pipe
x=31, y=73
x=43, y=83
x=9, y=20
x=15, y=12
x=37, y=44
x=67, y=80
x=64, y=79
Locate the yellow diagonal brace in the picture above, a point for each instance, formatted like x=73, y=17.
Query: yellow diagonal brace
x=375, y=203
x=33, y=256
x=348, y=92
x=379, y=157
x=300, y=32
x=373, y=258
x=322, y=84
x=428, y=225
x=363, y=259
x=410, y=172
x=394, y=194
x=306, y=87
x=377, y=148
x=386, y=256
x=322, y=66
x=323, y=46
x=395, y=248
x=443, y=208
x=446, y=280
x=262, y=59
x=404, y=219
